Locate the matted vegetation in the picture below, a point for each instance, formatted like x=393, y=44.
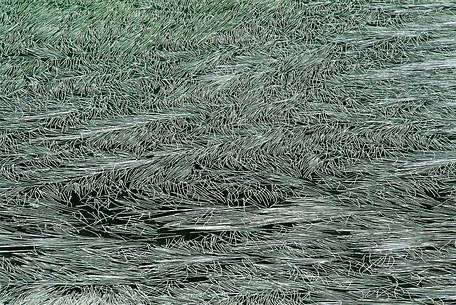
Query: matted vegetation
x=227, y=152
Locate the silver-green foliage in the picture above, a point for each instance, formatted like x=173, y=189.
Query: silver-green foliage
x=227, y=152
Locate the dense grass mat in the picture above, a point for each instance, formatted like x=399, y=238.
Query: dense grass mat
x=237, y=152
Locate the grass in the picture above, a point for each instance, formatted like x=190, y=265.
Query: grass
x=227, y=152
